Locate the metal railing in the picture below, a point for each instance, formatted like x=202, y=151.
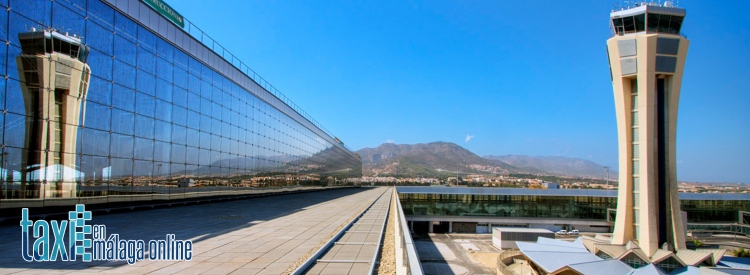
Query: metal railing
x=407, y=259
x=207, y=41
x=733, y=228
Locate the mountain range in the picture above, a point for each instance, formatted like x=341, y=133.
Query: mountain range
x=444, y=159
x=555, y=165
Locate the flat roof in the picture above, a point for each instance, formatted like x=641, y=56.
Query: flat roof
x=647, y=8
x=553, y=192
x=522, y=229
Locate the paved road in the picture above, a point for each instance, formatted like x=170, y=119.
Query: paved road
x=254, y=236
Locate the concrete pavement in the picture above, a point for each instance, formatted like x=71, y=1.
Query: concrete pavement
x=255, y=236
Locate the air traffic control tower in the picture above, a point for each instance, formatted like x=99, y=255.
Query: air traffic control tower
x=646, y=59
x=55, y=80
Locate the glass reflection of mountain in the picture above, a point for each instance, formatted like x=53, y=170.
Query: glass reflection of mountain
x=55, y=80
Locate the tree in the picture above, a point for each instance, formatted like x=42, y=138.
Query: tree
x=742, y=253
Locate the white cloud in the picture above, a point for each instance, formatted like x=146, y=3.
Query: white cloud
x=389, y=141
x=468, y=138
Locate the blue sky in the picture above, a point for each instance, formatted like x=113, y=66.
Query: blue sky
x=520, y=77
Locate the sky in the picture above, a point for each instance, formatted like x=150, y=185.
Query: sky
x=496, y=77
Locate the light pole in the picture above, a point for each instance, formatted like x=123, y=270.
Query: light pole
x=158, y=171
x=607, y=168
x=5, y=174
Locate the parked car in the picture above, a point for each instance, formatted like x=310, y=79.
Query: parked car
x=562, y=232
x=573, y=232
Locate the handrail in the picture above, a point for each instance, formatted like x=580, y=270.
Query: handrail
x=409, y=261
x=207, y=41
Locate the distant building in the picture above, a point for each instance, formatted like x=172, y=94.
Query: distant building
x=551, y=185
x=588, y=210
x=186, y=183
x=506, y=237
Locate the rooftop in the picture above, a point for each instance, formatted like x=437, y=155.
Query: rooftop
x=227, y=237
x=553, y=192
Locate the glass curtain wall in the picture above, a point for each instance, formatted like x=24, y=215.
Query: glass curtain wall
x=573, y=207
x=136, y=117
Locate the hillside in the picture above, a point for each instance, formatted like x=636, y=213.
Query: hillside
x=436, y=159
x=556, y=165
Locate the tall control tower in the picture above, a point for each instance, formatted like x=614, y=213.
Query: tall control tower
x=55, y=80
x=646, y=60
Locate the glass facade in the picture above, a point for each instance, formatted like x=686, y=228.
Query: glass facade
x=518, y=206
x=558, y=203
x=122, y=111
x=653, y=23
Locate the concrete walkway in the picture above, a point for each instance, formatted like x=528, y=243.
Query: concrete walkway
x=354, y=252
x=255, y=236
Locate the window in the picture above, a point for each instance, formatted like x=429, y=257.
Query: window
x=636, y=153
x=653, y=22
x=629, y=24
x=633, y=260
x=618, y=25
x=57, y=117
x=636, y=232
x=669, y=264
x=603, y=255
x=636, y=168
x=634, y=118
x=640, y=22
x=675, y=24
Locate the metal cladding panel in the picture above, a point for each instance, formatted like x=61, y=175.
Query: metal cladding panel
x=626, y=47
x=667, y=45
x=193, y=47
x=163, y=27
x=133, y=9
x=153, y=21
x=667, y=10
x=666, y=64
x=142, y=14
x=120, y=4
x=171, y=32
x=628, y=66
x=202, y=53
x=178, y=36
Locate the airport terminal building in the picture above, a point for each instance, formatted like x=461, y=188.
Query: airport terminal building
x=127, y=100
x=478, y=210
